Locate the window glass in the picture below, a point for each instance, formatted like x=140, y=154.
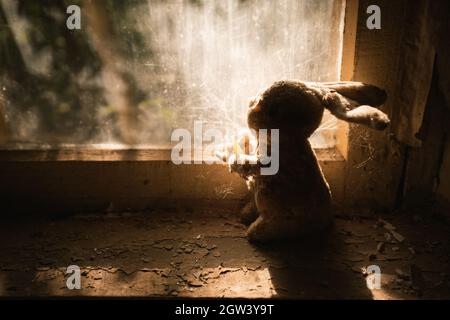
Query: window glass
x=136, y=70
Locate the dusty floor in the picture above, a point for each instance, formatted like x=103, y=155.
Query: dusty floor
x=205, y=254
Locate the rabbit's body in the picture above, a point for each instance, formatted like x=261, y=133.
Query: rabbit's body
x=293, y=202
x=297, y=200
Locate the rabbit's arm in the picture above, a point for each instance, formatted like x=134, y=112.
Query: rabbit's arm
x=244, y=164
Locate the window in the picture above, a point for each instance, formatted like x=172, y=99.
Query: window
x=137, y=70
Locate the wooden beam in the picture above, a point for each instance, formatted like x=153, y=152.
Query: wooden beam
x=347, y=66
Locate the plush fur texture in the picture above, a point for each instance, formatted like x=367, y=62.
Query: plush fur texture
x=297, y=200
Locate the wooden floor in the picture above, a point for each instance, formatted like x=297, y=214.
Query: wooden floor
x=189, y=253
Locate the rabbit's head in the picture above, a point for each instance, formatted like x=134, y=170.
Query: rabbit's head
x=287, y=107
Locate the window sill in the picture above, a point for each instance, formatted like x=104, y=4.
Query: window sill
x=132, y=154
x=127, y=179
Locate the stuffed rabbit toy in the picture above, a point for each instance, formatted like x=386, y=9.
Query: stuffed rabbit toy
x=296, y=200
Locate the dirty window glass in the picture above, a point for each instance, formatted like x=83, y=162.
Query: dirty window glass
x=135, y=70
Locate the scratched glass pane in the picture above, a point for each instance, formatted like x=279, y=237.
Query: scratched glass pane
x=174, y=62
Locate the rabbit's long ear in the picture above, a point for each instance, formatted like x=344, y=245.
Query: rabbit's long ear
x=362, y=93
x=348, y=110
